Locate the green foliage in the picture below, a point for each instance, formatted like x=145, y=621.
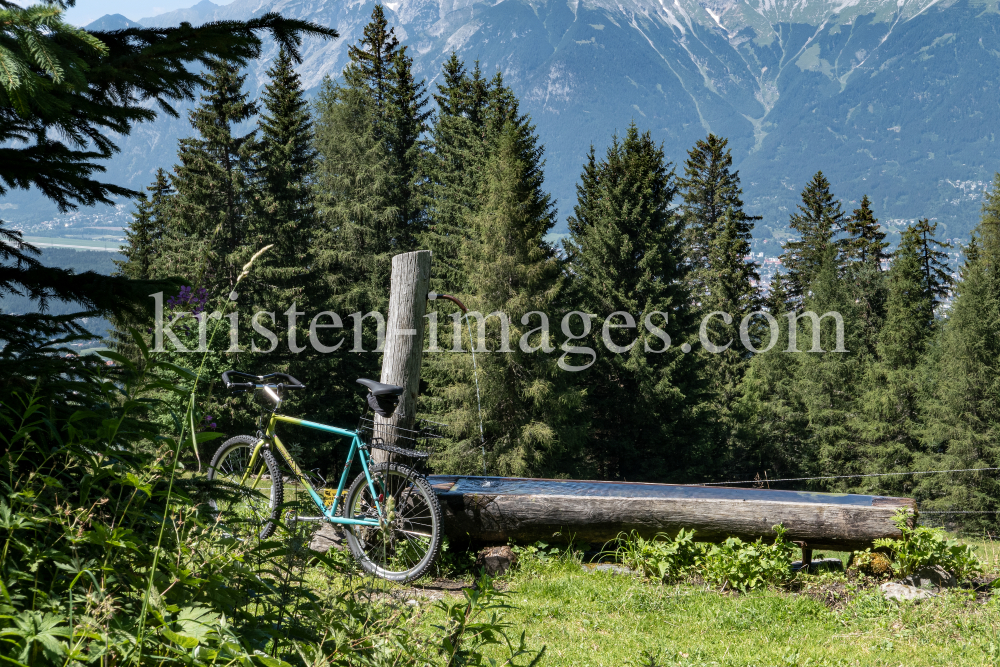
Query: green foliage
x=531, y=407
x=747, y=566
x=922, y=546
x=626, y=257
x=474, y=624
x=668, y=559
x=110, y=557
x=818, y=221
x=866, y=241
x=733, y=564
x=144, y=236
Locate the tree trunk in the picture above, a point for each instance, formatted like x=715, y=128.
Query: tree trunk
x=404, y=342
x=498, y=509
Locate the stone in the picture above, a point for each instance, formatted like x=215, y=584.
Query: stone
x=496, y=560
x=821, y=565
x=329, y=536
x=931, y=577
x=606, y=567
x=893, y=590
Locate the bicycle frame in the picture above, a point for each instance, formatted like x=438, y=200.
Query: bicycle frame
x=270, y=437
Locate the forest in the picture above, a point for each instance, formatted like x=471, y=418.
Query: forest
x=110, y=556
x=378, y=164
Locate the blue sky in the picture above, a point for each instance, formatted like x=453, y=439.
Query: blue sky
x=87, y=11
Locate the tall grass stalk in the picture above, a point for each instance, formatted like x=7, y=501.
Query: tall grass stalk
x=185, y=422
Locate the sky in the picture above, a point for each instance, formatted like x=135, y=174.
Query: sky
x=88, y=11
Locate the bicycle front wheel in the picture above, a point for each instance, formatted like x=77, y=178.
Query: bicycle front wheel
x=246, y=500
x=403, y=547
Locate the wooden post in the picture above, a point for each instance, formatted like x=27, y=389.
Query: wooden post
x=404, y=339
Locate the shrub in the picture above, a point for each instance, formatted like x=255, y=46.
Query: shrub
x=664, y=558
x=922, y=546
x=747, y=566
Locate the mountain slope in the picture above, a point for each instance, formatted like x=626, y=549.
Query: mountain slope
x=893, y=99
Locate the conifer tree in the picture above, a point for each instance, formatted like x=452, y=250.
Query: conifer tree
x=626, y=256
x=827, y=382
x=888, y=421
x=284, y=213
x=730, y=287
x=864, y=252
x=531, y=410
x=353, y=185
x=453, y=167
x=145, y=232
x=381, y=72
x=712, y=198
x=910, y=307
x=208, y=240
x=865, y=240
x=367, y=134
x=933, y=262
x=965, y=399
x=818, y=222
x=987, y=234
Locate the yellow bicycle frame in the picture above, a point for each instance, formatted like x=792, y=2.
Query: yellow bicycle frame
x=270, y=438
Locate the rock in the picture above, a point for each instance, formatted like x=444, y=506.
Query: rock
x=606, y=567
x=893, y=590
x=821, y=565
x=329, y=536
x=931, y=577
x=496, y=560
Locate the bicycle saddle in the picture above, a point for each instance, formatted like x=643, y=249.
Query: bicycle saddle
x=379, y=389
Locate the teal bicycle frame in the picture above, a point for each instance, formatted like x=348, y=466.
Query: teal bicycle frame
x=271, y=438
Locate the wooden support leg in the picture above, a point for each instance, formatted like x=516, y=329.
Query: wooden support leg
x=807, y=557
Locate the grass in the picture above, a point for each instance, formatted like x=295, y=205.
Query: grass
x=601, y=619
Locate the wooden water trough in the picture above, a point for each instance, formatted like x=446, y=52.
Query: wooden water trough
x=497, y=509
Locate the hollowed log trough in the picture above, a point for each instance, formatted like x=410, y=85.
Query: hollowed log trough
x=498, y=509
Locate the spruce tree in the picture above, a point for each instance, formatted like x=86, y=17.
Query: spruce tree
x=381, y=72
x=353, y=189
x=712, y=198
x=961, y=410
x=209, y=233
x=910, y=306
x=626, y=256
x=454, y=164
x=283, y=210
x=145, y=233
x=828, y=382
x=818, y=222
x=531, y=409
x=888, y=421
x=865, y=240
x=933, y=262
x=864, y=251
x=367, y=134
x=987, y=234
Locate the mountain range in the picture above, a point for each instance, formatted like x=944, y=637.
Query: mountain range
x=896, y=99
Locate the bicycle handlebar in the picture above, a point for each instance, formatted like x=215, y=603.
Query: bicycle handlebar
x=259, y=381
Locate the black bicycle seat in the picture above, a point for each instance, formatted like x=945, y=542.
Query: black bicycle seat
x=379, y=389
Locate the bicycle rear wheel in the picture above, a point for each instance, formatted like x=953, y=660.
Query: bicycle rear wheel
x=246, y=503
x=409, y=538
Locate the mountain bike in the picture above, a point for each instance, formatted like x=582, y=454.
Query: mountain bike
x=390, y=515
